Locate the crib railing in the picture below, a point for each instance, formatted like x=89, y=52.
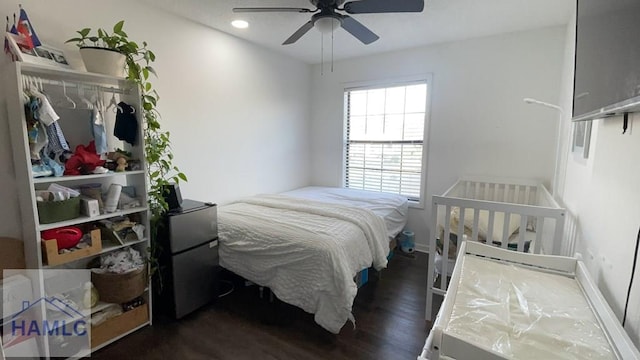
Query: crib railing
x=530, y=200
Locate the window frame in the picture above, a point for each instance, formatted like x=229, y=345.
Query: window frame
x=387, y=83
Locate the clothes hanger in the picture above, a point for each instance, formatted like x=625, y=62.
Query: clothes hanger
x=64, y=92
x=84, y=99
x=113, y=102
x=33, y=86
x=25, y=90
x=40, y=85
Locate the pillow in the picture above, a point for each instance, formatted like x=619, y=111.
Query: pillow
x=483, y=223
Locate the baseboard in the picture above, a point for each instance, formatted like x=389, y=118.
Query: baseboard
x=422, y=248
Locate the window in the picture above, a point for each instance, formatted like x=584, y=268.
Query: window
x=384, y=142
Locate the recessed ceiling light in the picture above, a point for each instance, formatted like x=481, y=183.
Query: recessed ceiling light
x=240, y=24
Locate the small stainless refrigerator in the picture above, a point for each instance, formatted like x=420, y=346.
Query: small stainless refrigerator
x=188, y=263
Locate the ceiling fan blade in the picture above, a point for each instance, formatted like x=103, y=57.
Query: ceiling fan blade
x=271, y=9
x=355, y=28
x=383, y=6
x=298, y=34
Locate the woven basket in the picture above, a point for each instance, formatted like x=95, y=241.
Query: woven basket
x=54, y=211
x=120, y=288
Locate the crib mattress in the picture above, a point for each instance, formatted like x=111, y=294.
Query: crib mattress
x=524, y=314
x=394, y=209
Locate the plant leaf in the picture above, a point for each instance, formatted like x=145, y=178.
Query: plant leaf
x=84, y=32
x=152, y=70
x=118, y=26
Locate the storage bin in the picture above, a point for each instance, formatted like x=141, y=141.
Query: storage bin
x=119, y=325
x=52, y=257
x=362, y=277
x=120, y=288
x=54, y=211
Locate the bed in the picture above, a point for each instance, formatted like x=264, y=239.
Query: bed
x=515, y=214
x=504, y=304
x=307, y=245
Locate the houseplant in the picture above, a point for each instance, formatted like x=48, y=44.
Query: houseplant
x=105, y=53
x=137, y=68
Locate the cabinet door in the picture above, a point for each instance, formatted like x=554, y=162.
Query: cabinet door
x=195, y=278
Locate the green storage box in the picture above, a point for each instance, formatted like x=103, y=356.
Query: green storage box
x=54, y=211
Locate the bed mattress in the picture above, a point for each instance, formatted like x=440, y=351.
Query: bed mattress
x=394, y=209
x=307, y=252
x=521, y=313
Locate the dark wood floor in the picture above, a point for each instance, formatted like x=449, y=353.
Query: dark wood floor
x=389, y=314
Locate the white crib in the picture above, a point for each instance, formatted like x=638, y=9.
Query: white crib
x=510, y=213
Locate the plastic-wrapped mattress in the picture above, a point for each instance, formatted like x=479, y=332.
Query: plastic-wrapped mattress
x=525, y=314
x=504, y=304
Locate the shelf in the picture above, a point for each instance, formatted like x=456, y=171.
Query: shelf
x=70, y=75
x=86, y=219
x=35, y=253
x=52, y=179
x=100, y=306
x=105, y=249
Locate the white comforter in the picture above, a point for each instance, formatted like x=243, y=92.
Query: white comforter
x=306, y=252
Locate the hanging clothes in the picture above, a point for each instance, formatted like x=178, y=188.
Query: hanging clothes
x=57, y=143
x=126, y=127
x=98, y=128
x=36, y=131
x=46, y=114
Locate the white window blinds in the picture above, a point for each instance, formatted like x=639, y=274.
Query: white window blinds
x=384, y=139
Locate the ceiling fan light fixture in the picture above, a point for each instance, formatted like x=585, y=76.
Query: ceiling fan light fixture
x=240, y=24
x=327, y=24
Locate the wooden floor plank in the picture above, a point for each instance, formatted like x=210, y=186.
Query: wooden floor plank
x=389, y=313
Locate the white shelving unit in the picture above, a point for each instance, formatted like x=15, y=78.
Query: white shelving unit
x=75, y=124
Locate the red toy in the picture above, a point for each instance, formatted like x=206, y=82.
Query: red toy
x=67, y=237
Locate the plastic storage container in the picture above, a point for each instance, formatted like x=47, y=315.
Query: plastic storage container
x=54, y=211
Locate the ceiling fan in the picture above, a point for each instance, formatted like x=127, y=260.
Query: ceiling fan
x=327, y=17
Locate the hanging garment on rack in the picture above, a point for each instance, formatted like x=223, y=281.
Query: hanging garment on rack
x=126, y=127
x=46, y=114
x=36, y=132
x=97, y=126
x=57, y=142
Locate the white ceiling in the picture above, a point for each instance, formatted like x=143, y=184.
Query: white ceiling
x=441, y=21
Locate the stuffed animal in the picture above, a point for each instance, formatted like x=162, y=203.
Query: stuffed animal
x=122, y=164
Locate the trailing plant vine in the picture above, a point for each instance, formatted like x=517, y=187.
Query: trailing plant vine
x=158, y=152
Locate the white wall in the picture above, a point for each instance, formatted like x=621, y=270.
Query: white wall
x=238, y=113
x=479, y=123
x=602, y=194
